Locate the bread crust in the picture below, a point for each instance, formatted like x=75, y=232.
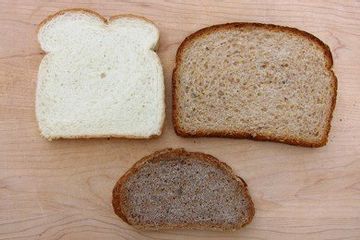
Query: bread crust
x=119, y=198
x=106, y=21
x=91, y=12
x=237, y=134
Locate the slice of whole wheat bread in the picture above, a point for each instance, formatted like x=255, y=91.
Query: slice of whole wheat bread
x=251, y=80
x=173, y=188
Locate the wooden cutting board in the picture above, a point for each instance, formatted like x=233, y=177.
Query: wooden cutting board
x=62, y=189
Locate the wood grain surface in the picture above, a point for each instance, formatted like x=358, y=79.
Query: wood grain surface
x=62, y=189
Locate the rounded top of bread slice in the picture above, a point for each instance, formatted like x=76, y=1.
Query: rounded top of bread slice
x=64, y=28
x=253, y=80
x=173, y=188
x=100, y=77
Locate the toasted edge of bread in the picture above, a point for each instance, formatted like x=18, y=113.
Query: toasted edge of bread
x=238, y=134
x=157, y=156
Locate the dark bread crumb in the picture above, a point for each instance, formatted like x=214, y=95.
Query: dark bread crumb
x=179, y=189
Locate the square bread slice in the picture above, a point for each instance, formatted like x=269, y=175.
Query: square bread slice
x=250, y=80
x=100, y=77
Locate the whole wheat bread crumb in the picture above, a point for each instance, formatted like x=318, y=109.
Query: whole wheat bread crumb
x=179, y=189
x=257, y=81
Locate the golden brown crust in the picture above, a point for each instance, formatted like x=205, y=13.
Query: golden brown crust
x=112, y=18
x=234, y=134
x=62, y=12
x=119, y=199
x=103, y=136
x=91, y=12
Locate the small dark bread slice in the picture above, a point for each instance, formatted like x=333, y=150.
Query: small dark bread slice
x=173, y=188
x=252, y=80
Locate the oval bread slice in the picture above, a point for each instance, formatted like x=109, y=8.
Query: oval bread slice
x=178, y=189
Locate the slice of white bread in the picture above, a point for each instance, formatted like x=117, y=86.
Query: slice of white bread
x=250, y=80
x=99, y=78
x=173, y=188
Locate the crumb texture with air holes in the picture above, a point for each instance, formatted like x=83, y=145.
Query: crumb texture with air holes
x=99, y=79
x=177, y=188
x=251, y=81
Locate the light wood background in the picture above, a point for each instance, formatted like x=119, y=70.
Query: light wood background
x=62, y=189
